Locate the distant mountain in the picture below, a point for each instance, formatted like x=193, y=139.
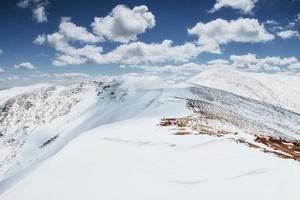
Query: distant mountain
x=279, y=90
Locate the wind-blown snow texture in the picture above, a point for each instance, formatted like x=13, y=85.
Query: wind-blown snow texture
x=102, y=139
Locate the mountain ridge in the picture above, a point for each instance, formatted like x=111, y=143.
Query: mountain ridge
x=175, y=116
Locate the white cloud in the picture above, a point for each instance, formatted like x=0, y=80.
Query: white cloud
x=211, y=36
x=114, y=27
x=182, y=69
x=1, y=51
x=58, y=41
x=40, y=39
x=73, y=32
x=247, y=62
x=133, y=53
x=291, y=25
x=69, y=55
x=72, y=75
x=68, y=32
x=217, y=32
x=64, y=59
x=271, y=22
x=25, y=65
x=37, y=74
x=23, y=3
x=1, y=70
x=13, y=78
x=220, y=62
x=39, y=14
x=298, y=18
x=73, y=56
x=270, y=64
x=245, y=6
x=38, y=8
x=288, y=34
x=124, y=24
x=142, y=53
x=294, y=67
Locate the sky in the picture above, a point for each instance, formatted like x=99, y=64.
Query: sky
x=56, y=40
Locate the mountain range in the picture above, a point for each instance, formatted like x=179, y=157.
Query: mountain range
x=221, y=132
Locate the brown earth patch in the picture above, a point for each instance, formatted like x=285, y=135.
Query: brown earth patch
x=179, y=122
x=280, y=147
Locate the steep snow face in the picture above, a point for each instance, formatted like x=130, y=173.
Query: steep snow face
x=279, y=90
x=136, y=159
x=25, y=110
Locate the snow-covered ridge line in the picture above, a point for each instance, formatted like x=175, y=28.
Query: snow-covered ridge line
x=257, y=124
x=280, y=90
x=23, y=110
x=244, y=112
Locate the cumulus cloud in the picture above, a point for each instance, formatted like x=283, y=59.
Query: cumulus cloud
x=38, y=8
x=73, y=32
x=40, y=39
x=217, y=32
x=58, y=41
x=245, y=6
x=25, y=65
x=211, y=36
x=269, y=64
x=133, y=53
x=247, y=62
x=142, y=53
x=288, y=34
x=69, y=55
x=1, y=70
x=114, y=27
x=68, y=32
x=124, y=24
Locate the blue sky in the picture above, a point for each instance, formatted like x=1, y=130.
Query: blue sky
x=264, y=33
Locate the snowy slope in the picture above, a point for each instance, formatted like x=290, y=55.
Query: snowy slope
x=61, y=113
x=137, y=137
x=136, y=159
x=280, y=90
x=23, y=110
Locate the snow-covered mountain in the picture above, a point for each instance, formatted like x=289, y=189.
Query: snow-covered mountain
x=279, y=90
x=138, y=137
x=23, y=110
